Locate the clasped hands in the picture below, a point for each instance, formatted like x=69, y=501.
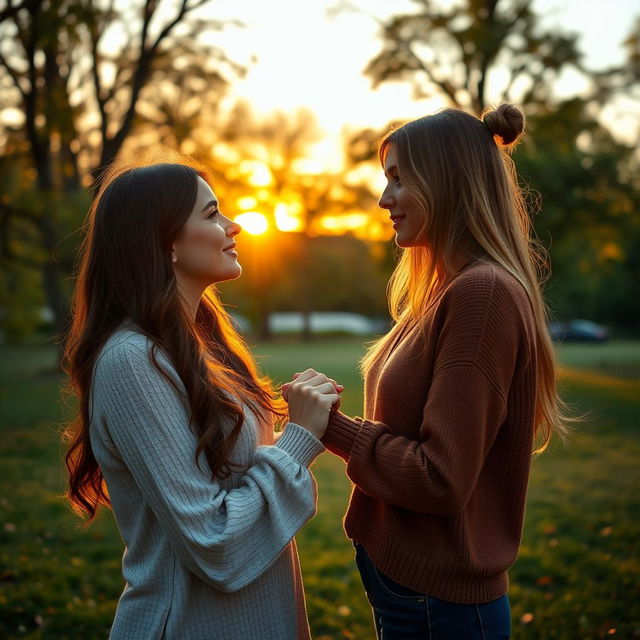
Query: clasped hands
x=312, y=396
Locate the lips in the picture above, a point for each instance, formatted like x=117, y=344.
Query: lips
x=395, y=219
x=230, y=247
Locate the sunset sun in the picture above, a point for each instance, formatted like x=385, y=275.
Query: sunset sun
x=253, y=222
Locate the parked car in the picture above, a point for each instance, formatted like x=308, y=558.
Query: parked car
x=326, y=322
x=578, y=331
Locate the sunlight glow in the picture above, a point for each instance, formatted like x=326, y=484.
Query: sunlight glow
x=284, y=220
x=341, y=223
x=252, y=222
x=259, y=173
x=362, y=224
x=246, y=202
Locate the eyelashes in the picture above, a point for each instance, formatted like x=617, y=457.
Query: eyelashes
x=213, y=214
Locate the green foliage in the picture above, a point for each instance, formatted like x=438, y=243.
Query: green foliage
x=41, y=232
x=576, y=578
x=590, y=197
x=21, y=303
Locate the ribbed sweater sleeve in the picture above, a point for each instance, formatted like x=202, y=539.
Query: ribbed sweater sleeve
x=225, y=537
x=477, y=348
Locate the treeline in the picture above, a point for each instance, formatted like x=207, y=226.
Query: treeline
x=75, y=100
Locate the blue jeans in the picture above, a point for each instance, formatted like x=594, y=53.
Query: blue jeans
x=400, y=613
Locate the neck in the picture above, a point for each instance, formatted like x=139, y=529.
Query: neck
x=191, y=294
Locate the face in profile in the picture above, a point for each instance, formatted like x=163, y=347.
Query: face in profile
x=204, y=252
x=405, y=212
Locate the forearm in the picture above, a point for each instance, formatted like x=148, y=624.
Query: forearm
x=436, y=471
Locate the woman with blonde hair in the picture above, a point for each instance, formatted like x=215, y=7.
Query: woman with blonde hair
x=456, y=392
x=174, y=429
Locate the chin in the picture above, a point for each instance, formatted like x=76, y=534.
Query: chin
x=403, y=243
x=230, y=274
x=406, y=243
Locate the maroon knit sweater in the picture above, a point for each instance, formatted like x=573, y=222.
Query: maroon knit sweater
x=440, y=462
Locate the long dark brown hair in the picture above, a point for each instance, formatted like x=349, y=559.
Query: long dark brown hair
x=125, y=273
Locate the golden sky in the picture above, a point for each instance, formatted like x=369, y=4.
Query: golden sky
x=307, y=57
x=300, y=54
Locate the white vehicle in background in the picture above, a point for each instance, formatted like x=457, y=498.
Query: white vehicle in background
x=283, y=322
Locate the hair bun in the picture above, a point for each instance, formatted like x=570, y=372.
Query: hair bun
x=506, y=122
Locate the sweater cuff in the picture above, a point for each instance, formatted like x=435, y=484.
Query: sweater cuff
x=341, y=433
x=300, y=444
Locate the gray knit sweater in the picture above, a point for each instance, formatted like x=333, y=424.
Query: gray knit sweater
x=203, y=559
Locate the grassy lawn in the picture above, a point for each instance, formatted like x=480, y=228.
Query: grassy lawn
x=578, y=571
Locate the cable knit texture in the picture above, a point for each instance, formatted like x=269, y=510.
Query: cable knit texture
x=203, y=559
x=440, y=462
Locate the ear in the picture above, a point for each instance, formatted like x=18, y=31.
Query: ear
x=174, y=257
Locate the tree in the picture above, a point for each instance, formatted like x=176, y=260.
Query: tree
x=459, y=51
x=590, y=197
x=77, y=72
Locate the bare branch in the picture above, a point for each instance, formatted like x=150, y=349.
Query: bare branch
x=94, y=35
x=184, y=9
x=445, y=85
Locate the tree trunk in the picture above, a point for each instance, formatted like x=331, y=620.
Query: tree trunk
x=264, y=331
x=56, y=297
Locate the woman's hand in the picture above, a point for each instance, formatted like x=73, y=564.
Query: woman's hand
x=311, y=397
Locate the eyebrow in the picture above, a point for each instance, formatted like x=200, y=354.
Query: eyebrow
x=211, y=203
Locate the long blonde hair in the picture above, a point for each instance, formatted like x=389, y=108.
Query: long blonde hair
x=458, y=170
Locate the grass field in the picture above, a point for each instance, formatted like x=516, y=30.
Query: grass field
x=577, y=575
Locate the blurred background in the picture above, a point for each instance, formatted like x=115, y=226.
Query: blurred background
x=285, y=102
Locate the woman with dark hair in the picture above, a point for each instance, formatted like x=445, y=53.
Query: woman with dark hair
x=457, y=390
x=175, y=427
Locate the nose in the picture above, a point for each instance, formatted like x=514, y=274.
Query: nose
x=232, y=228
x=386, y=200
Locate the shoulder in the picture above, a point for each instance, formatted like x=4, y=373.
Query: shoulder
x=487, y=286
x=128, y=354
x=124, y=347
x=486, y=302
x=484, y=320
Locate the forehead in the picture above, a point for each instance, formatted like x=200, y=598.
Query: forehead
x=390, y=158
x=205, y=194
